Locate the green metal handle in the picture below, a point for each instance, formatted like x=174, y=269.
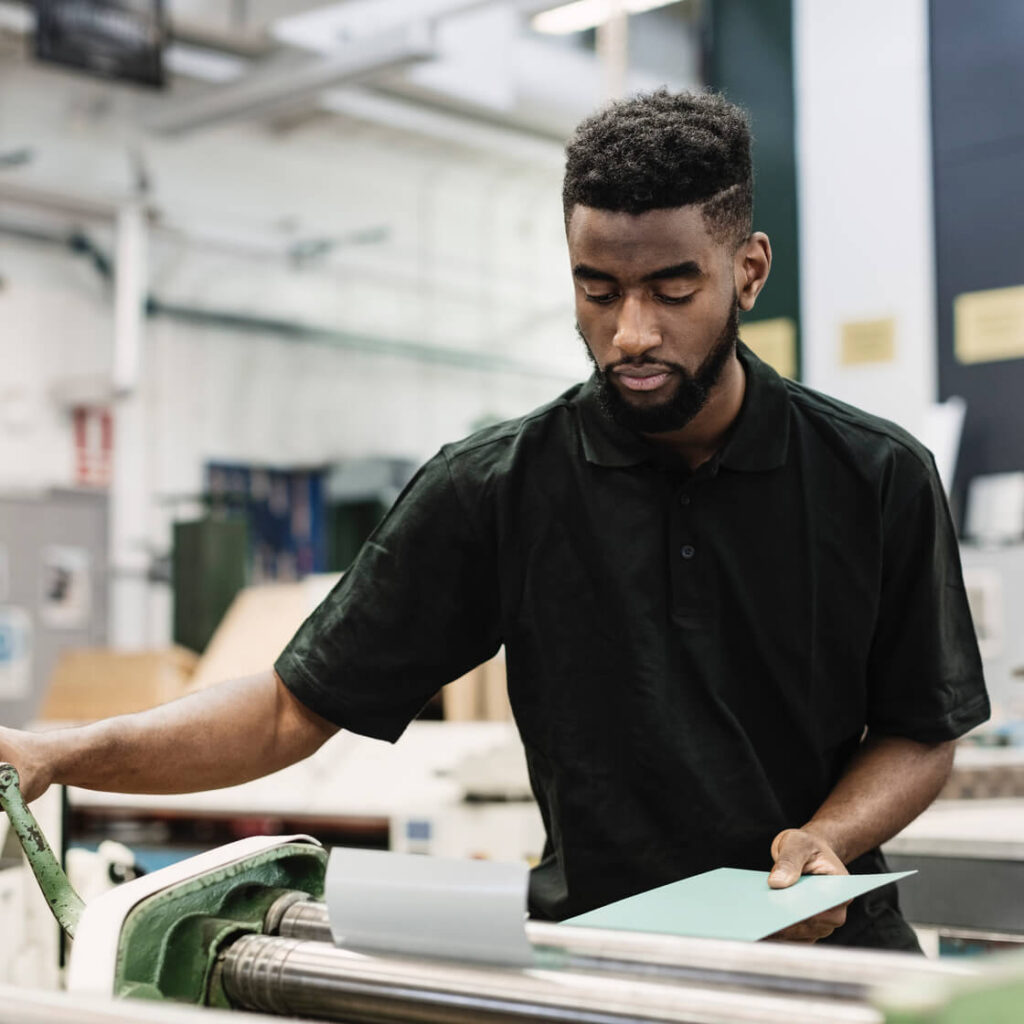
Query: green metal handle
x=64, y=902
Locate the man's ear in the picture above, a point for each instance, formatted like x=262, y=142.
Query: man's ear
x=751, y=267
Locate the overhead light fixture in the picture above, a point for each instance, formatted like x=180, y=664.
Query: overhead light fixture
x=583, y=14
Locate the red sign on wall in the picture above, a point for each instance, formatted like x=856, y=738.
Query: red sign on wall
x=94, y=445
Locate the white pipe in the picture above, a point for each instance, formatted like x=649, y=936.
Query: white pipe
x=129, y=483
x=613, y=50
x=129, y=296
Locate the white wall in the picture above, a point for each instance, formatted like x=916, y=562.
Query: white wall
x=54, y=321
x=864, y=166
x=474, y=260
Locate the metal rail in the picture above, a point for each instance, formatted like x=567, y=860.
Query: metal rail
x=314, y=979
x=767, y=966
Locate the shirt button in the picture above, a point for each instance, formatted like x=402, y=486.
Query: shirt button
x=687, y=551
x=684, y=499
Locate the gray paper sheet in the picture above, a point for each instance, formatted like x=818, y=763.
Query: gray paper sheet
x=429, y=906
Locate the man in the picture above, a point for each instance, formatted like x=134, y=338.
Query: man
x=733, y=613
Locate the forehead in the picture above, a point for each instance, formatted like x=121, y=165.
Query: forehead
x=635, y=243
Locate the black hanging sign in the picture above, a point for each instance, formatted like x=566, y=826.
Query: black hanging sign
x=122, y=39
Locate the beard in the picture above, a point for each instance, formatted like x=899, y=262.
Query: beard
x=692, y=390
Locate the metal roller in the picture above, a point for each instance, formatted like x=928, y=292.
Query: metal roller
x=314, y=979
x=775, y=966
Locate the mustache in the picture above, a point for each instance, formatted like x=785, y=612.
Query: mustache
x=642, y=361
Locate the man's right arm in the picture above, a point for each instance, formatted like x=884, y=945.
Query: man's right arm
x=217, y=737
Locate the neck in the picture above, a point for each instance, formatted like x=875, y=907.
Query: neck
x=706, y=432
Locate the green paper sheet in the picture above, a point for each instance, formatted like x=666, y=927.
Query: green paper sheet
x=731, y=903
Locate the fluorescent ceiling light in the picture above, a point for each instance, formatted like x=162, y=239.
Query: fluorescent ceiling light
x=584, y=14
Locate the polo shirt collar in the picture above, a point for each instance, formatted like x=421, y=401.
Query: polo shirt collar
x=759, y=439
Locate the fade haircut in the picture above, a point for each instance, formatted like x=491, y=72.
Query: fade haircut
x=662, y=150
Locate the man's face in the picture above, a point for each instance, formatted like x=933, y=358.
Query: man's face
x=657, y=306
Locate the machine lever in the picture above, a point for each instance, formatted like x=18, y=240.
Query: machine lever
x=64, y=902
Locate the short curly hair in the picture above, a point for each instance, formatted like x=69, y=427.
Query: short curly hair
x=662, y=150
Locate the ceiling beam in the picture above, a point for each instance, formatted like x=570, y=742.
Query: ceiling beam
x=263, y=92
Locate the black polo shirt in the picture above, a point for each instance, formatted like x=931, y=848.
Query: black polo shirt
x=692, y=657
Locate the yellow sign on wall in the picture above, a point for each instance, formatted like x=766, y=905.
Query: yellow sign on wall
x=774, y=341
x=989, y=325
x=867, y=341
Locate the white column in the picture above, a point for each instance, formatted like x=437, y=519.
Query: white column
x=129, y=485
x=865, y=187
x=613, y=50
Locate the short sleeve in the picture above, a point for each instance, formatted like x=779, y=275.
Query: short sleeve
x=925, y=677
x=417, y=609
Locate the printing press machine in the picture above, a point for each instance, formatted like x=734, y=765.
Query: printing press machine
x=243, y=927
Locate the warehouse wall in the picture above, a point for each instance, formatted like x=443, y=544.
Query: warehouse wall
x=54, y=322
x=230, y=394
x=473, y=260
x=864, y=159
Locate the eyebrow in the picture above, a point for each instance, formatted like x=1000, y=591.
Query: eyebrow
x=689, y=269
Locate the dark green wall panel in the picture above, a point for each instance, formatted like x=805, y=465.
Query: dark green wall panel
x=749, y=58
x=977, y=80
x=209, y=558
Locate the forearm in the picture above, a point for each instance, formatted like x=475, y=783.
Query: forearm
x=217, y=737
x=889, y=782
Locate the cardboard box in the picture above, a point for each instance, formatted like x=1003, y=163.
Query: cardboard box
x=480, y=695
x=257, y=626
x=262, y=619
x=95, y=682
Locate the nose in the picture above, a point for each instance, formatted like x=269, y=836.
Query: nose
x=636, y=331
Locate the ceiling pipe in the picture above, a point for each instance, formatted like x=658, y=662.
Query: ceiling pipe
x=266, y=91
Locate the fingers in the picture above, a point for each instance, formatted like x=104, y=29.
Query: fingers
x=797, y=852
x=814, y=928
x=803, y=932
x=792, y=851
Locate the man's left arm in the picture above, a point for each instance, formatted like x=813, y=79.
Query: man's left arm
x=925, y=688
x=889, y=782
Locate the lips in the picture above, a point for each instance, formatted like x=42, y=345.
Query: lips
x=645, y=379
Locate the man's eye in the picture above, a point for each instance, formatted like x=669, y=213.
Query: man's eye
x=603, y=298
x=675, y=300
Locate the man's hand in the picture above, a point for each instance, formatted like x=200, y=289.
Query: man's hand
x=797, y=852
x=888, y=783
x=22, y=750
